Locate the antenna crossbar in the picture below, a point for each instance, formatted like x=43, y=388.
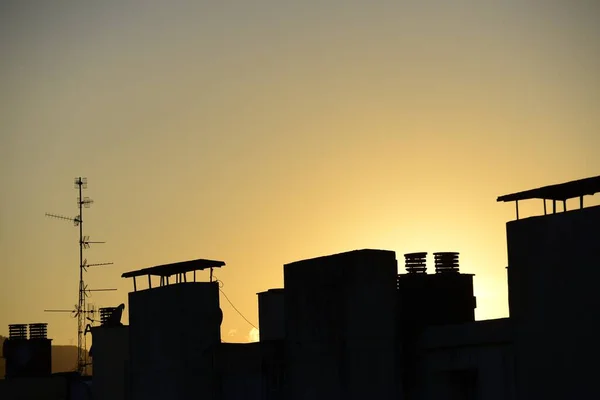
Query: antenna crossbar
x=76, y=220
x=98, y=264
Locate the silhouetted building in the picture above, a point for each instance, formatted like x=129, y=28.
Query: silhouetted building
x=271, y=319
x=424, y=300
x=110, y=355
x=349, y=326
x=273, y=369
x=27, y=357
x=340, y=314
x=466, y=361
x=174, y=333
x=58, y=386
x=445, y=297
x=553, y=275
x=239, y=371
x=271, y=315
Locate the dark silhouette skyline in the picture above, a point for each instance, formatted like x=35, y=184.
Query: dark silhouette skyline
x=353, y=325
x=261, y=133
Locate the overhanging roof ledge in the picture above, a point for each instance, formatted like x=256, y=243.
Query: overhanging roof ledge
x=558, y=192
x=175, y=268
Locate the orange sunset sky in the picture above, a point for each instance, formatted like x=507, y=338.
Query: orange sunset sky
x=264, y=132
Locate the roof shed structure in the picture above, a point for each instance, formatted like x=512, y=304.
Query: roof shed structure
x=559, y=192
x=179, y=270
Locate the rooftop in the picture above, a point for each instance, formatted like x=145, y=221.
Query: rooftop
x=272, y=291
x=348, y=255
x=558, y=192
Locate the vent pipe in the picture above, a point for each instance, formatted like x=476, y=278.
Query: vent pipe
x=17, y=331
x=38, y=331
x=106, y=313
x=416, y=263
x=446, y=262
x=111, y=316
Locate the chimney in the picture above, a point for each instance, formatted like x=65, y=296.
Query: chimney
x=27, y=358
x=105, y=314
x=446, y=262
x=17, y=331
x=416, y=263
x=38, y=331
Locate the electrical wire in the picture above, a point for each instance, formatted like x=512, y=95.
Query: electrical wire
x=221, y=284
x=238, y=311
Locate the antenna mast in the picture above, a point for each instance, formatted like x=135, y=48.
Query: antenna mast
x=80, y=310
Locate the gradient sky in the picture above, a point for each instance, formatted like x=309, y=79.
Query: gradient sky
x=264, y=132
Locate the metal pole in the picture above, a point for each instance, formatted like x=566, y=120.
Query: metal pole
x=81, y=301
x=544, y=206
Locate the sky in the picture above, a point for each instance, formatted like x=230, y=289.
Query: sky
x=265, y=132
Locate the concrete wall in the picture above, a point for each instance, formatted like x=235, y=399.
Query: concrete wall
x=240, y=373
x=26, y=358
x=436, y=299
x=110, y=357
x=271, y=315
x=50, y=388
x=55, y=387
x=370, y=327
x=174, y=332
x=553, y=276
x=273, y=369
x=467, y=361
x=340, y=326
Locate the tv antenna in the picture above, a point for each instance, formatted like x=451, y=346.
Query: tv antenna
x=80, y=310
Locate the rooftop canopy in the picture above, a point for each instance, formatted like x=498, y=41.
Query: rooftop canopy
x=178, y=269
x=175, y=268
x=559, y=192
